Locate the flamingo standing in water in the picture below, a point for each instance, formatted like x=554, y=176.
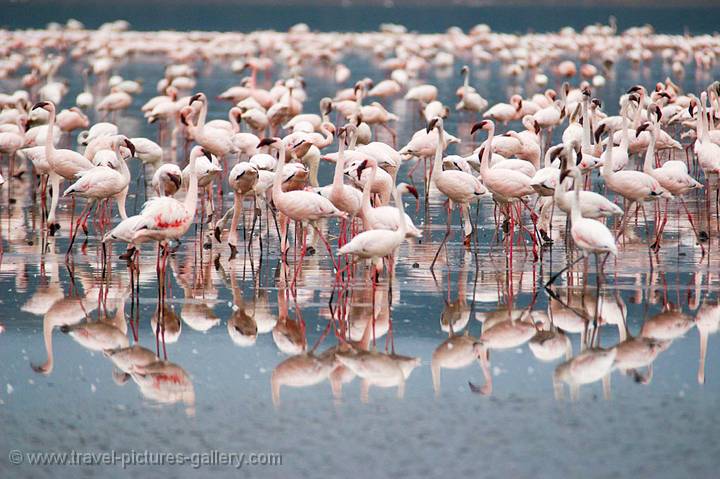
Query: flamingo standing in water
x=101, y=183
x=299, y=205
x=63, y=163
x=377, y=244
x=673, y=176
x=507, y=186
x=458, y=186
x=634, y=186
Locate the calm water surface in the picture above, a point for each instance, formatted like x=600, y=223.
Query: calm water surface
x=660, y=426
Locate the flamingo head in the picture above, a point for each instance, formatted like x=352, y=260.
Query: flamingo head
x=268, y=141
x=642, y=128
x=326, y=105
x=483, y=125
x=433, y=123
x=464, y=70
x=197, y=97
x=404, y=187
x=45, y=105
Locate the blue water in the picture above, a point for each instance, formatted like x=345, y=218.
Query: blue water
x=196, y=15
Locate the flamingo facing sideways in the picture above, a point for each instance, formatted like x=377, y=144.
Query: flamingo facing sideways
x=458, y=186
x=63, y=163
x=299, y=205
x=377, y=244
x=673, y=176
x=102, y=183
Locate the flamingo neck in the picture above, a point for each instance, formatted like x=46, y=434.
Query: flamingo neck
x=705, y=134
x=608, y=166
x=402, y=230
x=191, y=197
x=337, y=183
x=625, y=140
x=233, y=121
x=575, y=208
x=586, y=126
x=485, y=161
x=650, y=154
x=277, y=180
x=49, y=145
x=437, y=165
x=366, y=206
x=203, y=115
x=124, y=170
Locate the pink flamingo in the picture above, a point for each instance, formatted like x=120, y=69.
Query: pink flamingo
x=64, y=163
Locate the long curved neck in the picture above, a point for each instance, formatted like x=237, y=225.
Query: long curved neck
x=625, y=140
x=202, y=116
x=485, y=162
x=124, y=170
x=277, y=180
x=466, y=84
x=233, y=121
x=191, y=197
x=705, y=134
x=366, y=190
x=575, y=209
x=650, y=154
x=586, y=125
x=49, y=145
x=398, y=201
x=437, y=164
x=608, y=166
x=337, y=183
x=327, y=135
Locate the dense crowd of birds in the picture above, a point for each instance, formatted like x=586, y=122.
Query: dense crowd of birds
x=269, y=148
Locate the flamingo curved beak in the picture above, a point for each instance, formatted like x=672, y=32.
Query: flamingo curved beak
x=478, y=126
x=176, y=179
x=130, y=146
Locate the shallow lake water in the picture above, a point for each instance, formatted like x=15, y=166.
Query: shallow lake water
x=231, y=323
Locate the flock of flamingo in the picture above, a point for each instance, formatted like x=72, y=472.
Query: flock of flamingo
x=551, y=166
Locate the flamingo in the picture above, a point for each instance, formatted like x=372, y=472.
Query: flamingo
x=458, y=186
x=633, y=186
x=377, y=244
x=101, y=183
x=299, y=205
x=63, y=163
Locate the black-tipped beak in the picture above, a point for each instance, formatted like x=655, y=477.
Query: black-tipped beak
x=130, y=146
x=239, y=176
x=40, y=104
x=207, y=154
x=579, y=158
x=691, y=110
x=431, y=125
x=183, y=119
x=195, y=98
x=266, y=142
x=634, y=89
x=477, y=126
x=360, y=169
x=597, y=102
x=641, y=128
x=413, y=191
x=176, y=179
